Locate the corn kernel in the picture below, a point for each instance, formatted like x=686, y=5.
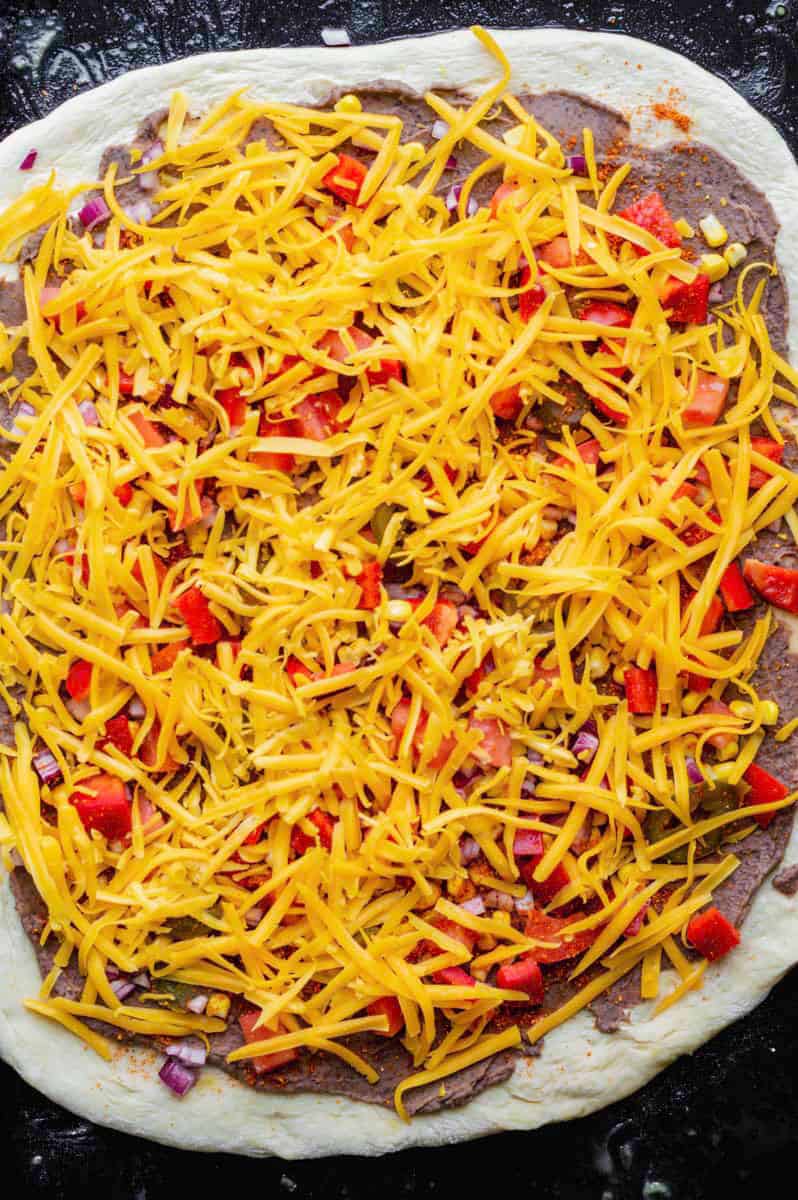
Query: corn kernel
x=729, y=752
x=735, y=254
x=691, y=701
x=714, y=233
x=398, y=610
x=741, y=708
x=684, y=228
x=348, y=104
x=724, y=771
x=769, y=712
x=715, y=266
x=218, y=1005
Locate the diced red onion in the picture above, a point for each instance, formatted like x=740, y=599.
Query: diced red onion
x=253, y=917
x=475, y=905
x=112, y=972
x=439, y=129
x=149, y=181
x=525, y=903
x=23, y=409
x=88, y=410
x=527, y=843
x=80, y=709
x=94, y=211
x=188, y=1051
x=142, y=979
x=122, y=988
x=469, y=850
x=177, y=1077
x=47, y=768
x=335, y=37
x=585, y=745
x=576, y=163
x=693, y=771
x=501, y=900
x=451, y=163
x=209, y=517
x=152, y=152
x=197, y=1004
x=136, y=709
x=29, y=160
x=453, y=199
x=63, y=546
x=715, y=293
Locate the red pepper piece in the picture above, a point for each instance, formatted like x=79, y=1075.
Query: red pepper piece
x=734, y=591
x=297, y=670
x=454, y=977
x=698, y=683
x=166, y=657
x=124, y=494
x=119, y=733
x=522, y=975
x=555, y=929
x=765, y=789
x=712, y=617
x=264, y=1062
x=78, y=680
x=588, y=451
x=641, y=690
x=651, y=214
x=301, y=842
x=125, y=383
x=147, y=430
x=507, y=403
x=707, y=401
x=711, y=934
x=345, y=179
x=496, y=748
x=102, y=803
x=316, y=417
x=608, y=411
x=442, y=620
x=770, y=449
x=694, y=534
x=389, y=1007
x=530, y=300
x=779, y=585
x=233, y=404
x=688, y=302
x=325, y=825
x=473, y=680
x=267, y=459
x=369, y=581
x=195, y=610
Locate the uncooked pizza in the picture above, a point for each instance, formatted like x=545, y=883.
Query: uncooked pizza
x=398, y=528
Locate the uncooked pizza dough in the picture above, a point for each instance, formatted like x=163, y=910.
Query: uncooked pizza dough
x=580, y=1069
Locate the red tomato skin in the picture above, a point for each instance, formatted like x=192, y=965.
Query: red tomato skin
x=387, y=1006
x=651, y=214
x=777, y=584
x=203, y=626
x=496, y=748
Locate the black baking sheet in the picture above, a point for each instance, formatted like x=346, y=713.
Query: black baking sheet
x=721, y=1123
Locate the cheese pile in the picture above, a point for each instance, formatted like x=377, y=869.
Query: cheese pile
x=246, y=265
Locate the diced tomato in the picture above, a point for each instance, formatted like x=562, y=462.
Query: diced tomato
x=188, y=517
x=770, y=449
x=724, y=737
x=496, y=748
x=268, y=460
x=555, y=929
x=102, y=803
x=529, y=301
x=78, y=492
x=473, y=680
x=345, y=179
x=454, y=977
x=651, y=214
x=604, y=312
x=612, y=366
x=588, y=451
x=544, y=890
x=78, y=680
x=502, y=193
x=119, y=733
x=706, y=404
x=148, y=750
x=264, y=1062
x=297, y=670
x=734, y=591
x=688, y=302
x=345, y=232
x=641, y=690
x=233, y=404
x=765, y=789
x=458, y=933
x=147, y=431
x=779, y=585
x=522, y=975
x=698, y=683
x=195, y=610
x=399, y=721
x=369, y=581
x=335, y=347
x=389, y=1007
x=442, y=620
x=694, y=534
x=507, y=403
x=528, y=843
x=606, y=410
x=316, y=417
x=557, y=253
x=636, y=923
x=301, y=842
x=125, y=383
x=166, y=657
x=389, y=368
x=325, y=825
x=124, y=494
x=712, y=617
x=712, y=934
x=159, y=567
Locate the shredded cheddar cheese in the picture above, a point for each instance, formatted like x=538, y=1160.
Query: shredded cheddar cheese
x=306, y=761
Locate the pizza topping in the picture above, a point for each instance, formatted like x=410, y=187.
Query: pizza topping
x=375, y=623
x=711, y=934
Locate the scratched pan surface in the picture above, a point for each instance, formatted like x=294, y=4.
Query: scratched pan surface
x=715, y=1125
